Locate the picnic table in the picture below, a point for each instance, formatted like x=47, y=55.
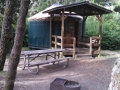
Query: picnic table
x=31, y=55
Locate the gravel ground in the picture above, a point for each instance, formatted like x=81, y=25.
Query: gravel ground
x=91, y=73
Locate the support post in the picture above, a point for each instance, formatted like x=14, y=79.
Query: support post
x=74, y=47
x=83, y=25
x=100, y=31
x=55, y=41
x=78, y=34
x=51, y=16
x=62, y=31
x=90, y=51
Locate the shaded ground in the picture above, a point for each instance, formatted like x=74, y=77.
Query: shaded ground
x=91, y=73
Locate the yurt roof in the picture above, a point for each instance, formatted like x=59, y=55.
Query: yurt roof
x=42, y=16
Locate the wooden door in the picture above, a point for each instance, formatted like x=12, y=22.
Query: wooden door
x=68, y=31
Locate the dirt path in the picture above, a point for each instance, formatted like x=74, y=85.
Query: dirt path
x=92, y=74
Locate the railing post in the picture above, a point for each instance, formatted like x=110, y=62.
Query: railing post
x=55, y=41
x=74, y=44
x=100, y=31
x=90, y=45
x=62, y=31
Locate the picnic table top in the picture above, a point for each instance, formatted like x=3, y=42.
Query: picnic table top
x=32, y=52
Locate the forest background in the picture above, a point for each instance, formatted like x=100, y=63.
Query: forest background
x=111, y=22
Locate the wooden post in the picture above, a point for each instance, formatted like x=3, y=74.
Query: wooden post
x=100, y=31
x=51, y=16
x=83, y=25
x=90, y=51
x=62, y=28
x=55, y=41
x=62, y=31
x=78, y=33
x=74, y=48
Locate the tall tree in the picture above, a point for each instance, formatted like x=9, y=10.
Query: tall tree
x=6, y=30
x=16, y=50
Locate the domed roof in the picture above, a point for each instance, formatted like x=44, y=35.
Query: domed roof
x=42, y=16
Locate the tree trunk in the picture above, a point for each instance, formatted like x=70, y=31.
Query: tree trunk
x=115, y=76
x=16, y=50
x=6, y=31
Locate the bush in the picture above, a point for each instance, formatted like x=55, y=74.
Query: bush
x=110, y=30
x=1, y=19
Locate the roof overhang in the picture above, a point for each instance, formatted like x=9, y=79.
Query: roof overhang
x=83, y=8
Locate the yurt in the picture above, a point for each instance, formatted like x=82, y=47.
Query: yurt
x=39, y=27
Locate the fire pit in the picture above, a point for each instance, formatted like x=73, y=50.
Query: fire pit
x=63, y=84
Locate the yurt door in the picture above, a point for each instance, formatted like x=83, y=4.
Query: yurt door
x=69, y=31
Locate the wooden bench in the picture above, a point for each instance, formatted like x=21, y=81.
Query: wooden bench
x=47, y=62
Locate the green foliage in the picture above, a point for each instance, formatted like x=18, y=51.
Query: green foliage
x=105, y=2
x=25, y=40
x=1, y=19
x=37, y=6
x=117, y=9
x=110, y=32
x=92, y=26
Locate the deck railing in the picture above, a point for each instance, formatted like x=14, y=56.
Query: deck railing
x=91, y=42
x=57, y=42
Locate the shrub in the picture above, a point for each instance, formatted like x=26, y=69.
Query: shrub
x=110, y=30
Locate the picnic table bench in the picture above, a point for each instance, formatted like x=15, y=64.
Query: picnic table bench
x=31, y=55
